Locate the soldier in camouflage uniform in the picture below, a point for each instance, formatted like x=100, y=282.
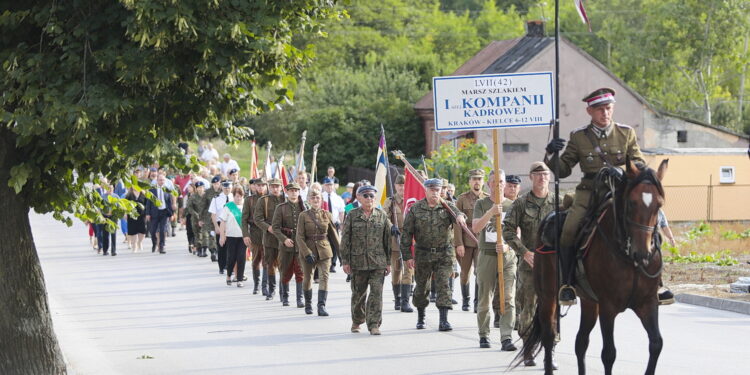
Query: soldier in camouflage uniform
x=526, y=214
x=484, y=224
x=198, y=213
x=589, y=144
x=401, y=277
x=263, y=216
x=365, y=253
x=284, y=225
x=253, y=235
x=430, y=226
x=316, y=238
x=208, y=224
x=465, y=204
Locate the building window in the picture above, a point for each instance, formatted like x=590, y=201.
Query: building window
x=682, y=136
x=726, y=175
x=515, y=147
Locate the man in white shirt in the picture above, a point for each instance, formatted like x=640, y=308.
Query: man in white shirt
x=217, y=205
x=336, y=207
x=304, y=188
x=210, y=153
x=228, y=164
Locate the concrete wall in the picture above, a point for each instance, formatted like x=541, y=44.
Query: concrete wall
x=661, y=132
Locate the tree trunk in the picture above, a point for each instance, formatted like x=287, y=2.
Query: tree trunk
x=27, y=340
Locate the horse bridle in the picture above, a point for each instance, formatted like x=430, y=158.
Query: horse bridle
x=629, y=223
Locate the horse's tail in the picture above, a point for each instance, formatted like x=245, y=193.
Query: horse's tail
x=533, y=343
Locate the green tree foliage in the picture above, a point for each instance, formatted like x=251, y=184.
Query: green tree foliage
x=96, y=87
x=454, y=163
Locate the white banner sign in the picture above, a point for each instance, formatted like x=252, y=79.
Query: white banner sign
x=491, y=101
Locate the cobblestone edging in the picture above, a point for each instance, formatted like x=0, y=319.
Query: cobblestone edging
x=741, y=307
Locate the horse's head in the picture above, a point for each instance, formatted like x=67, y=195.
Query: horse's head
x=643, y=196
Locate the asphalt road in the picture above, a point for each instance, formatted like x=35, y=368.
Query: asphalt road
x=148, y=313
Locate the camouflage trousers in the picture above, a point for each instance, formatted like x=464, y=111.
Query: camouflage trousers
x=526, y=297
x=202, y=235
x=400, y=273
x=427, y=263
x=367, y=308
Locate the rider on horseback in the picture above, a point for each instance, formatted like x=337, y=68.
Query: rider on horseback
x=600, y=144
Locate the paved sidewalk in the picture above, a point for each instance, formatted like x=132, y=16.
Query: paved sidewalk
x=148, y=313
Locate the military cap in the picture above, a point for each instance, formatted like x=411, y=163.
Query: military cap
x=215, y=179
x=539, y=166
x=366, y=188
x=292, y=185
x=400, y=179
x=600, y=96
x=513, y=179
x=259, y=181
x=226, y=184
x=327, y=181
x=350, y=185
x=233, y=171
x=476, y=173
x=433, y=183
x=274, y=181
x=445, y=182
x=199, y=184
x=313, y=193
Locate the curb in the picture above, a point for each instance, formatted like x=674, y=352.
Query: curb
x=715, y=303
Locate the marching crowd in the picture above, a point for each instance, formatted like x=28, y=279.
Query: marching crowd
x=300, y=230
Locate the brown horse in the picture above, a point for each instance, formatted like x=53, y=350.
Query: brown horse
x=622, y=266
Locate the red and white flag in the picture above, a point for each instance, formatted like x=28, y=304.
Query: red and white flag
x=582, y=12
x=254, y=162
x=413, y=192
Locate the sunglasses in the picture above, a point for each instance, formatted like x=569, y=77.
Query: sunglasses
x=368, y=195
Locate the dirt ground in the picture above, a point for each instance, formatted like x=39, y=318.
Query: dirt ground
x=706, y=279
x=709, y=279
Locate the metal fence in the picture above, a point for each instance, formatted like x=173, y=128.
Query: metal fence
x=707, y=202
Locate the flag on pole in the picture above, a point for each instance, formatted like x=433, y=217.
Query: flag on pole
x=299, y=164
x=283, y=173
x=381, y=173
x=254, y=162
x=582, y=12
x=413, y=192
x=268, y=169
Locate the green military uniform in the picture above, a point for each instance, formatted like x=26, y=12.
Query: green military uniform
x=487, y=273
x=401, y=276
x=431, y=229
x=526, y=213
x=249, y=229
x=262, y=217
x=284, y=225
x=465, y=204
x=315, y=230
x=365, y=247
x=616, y=143
x=209, y=224
x=198, y=211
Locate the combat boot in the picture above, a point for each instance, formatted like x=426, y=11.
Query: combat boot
x=433, y=292
x=566, y=296
x=322, y=296
x=444, y=325
x=298, y=292
x=271, y=287
x=256, y=281
x=453, y=300
x=264, y=282
x=284, y=294
x=308, y=302
x=465, y=297
x=420, y=317
x=397, y=297
x=405, y=293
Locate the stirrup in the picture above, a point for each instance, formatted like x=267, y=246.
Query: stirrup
x=569, y=302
